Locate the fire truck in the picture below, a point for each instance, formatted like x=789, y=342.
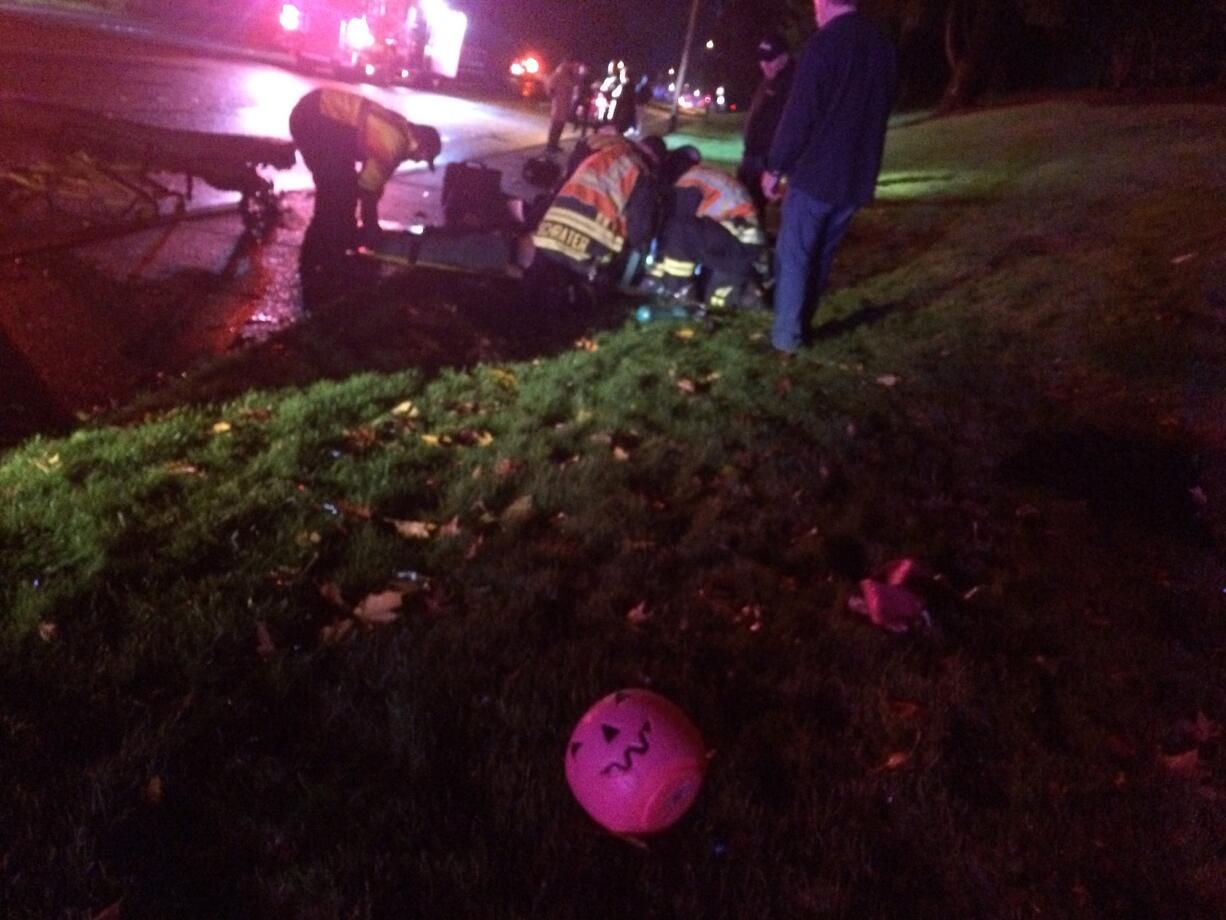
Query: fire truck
x=383, y=41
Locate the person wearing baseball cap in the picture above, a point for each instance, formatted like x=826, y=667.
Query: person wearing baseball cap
x=778, y=68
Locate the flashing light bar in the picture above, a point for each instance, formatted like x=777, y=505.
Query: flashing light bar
x=291, y=18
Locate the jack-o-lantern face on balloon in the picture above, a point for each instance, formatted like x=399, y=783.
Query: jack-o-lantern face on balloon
x=635, y=762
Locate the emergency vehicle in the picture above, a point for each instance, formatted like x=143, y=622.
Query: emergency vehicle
x=385, y=41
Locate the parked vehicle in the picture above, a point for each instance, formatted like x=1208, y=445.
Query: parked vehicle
x=384, y=41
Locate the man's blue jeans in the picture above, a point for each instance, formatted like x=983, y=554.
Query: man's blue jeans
x=809, y=233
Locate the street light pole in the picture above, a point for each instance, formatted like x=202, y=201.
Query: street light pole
x=684, y=65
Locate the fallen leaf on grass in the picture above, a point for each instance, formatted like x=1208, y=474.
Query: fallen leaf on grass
x=308, y=538
x=255, y=414
x=473, y=548
x=685, y=385
x=518, y=510
x=620, y=454
x=895, y=760
x=905, y=709
x=406, y=409
x=504, y=379
x=154, y=791
x=1186, y=764
x=451, y=528
x=586, y=344
x=331, y=592
x=505, y=467
x=888, y=380
x=361, y=438
x=181, y=468
x=353, y=510
x=685, y=333
x=221, y=428
x=414, y=530
x=1202, y=729
x=379, y=609
x=264, y=646
x=639, y=614
x=335, y=631
x=48, y=631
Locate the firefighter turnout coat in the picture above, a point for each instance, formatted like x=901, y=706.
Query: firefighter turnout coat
x=385, y=139
x=607, y=204
x=712, y=222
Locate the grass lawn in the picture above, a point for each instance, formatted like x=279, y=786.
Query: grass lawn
x=1017, y=381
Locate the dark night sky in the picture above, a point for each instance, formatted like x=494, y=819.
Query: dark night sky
x=647, y=33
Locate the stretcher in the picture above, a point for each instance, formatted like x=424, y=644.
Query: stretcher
x=112, y=164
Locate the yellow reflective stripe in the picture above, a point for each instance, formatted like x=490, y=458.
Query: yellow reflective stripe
x=560, y=247
x=719, y=297
x=676, y=267
x=587, y=226
x=747, y=233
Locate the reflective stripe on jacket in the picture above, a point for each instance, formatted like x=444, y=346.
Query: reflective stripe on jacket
x=385, y=138
x=597, y=210
x=724, y=200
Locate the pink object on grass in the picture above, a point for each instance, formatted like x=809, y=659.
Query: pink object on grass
x=635, y=762
x=891, y=607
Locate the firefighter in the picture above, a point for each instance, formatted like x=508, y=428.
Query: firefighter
x=606, y=209
x=711, y=245
x=334, y=130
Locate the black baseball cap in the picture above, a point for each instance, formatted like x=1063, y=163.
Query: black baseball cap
x=771, y=46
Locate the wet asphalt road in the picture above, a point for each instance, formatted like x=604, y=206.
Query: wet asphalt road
x=96, y=325
x=161, y=85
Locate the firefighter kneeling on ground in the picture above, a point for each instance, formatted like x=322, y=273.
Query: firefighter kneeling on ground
x=603, y=213
x=334, y=130
x=711, y=246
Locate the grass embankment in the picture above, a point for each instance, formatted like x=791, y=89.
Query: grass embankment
x=1014, y=383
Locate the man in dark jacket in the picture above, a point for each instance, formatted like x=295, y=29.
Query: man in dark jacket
x=829, y=146
x=765, y=110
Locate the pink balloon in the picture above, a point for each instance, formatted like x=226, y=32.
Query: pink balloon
x=635, y=762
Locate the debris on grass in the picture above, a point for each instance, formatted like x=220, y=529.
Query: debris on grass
x=413, y=530
x=639, y=614
x=379, y=609
x=264, y=646
x=887, y=601
x=335, y=631
x=518, y=510
x=48, y=631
